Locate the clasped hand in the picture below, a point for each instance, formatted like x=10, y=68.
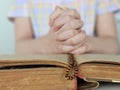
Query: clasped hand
x=66, y=24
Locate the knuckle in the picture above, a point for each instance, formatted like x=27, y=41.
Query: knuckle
x=73, y=42
x=73, y=11
x=73, y=32
x=82, y=23
x=72, y=23
x=80, y=37
x=83, y=33
x=84, y=36
x=56, y=24
x=80, y=52
x=84, y=48
x=68, y=18
x=78, y=22
x=77, y=52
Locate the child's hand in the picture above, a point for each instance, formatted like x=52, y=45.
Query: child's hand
x=67, y=25
x=61, y=16
x=76, y=41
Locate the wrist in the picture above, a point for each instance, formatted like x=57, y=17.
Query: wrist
x=41, y=45
x=47, y=45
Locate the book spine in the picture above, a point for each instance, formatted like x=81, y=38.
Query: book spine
x=72, y=70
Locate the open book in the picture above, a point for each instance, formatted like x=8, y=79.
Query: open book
x=57, y=72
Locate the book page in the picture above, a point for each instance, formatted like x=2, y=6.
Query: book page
x=56, y=59
x=98, y=58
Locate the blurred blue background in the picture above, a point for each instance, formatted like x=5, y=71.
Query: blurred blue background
x=7, y=30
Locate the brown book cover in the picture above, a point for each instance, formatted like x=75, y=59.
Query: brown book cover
x=61, y=72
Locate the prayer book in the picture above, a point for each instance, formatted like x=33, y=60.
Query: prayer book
x=57, y=71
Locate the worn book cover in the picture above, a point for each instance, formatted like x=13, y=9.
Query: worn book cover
x=58, y=71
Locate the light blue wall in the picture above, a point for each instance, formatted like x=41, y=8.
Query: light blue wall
x=6, y=29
